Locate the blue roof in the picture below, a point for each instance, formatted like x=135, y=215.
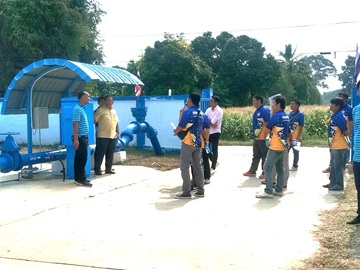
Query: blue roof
x=46, y=81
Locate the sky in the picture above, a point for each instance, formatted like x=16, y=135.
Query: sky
x=311, y=27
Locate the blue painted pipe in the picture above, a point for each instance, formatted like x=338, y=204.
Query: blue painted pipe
x=41, y=157
x=152, y=135
x=16, y=161
x=12, y=160
x=135, y=127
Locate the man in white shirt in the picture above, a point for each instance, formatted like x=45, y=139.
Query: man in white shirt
x=215, y=115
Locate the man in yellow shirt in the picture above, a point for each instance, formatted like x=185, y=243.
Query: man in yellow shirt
x=107, y=134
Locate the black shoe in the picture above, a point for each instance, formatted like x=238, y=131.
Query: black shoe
x=83, y=183
x=97, y=172
x=336, y=188
x=193, y=188
x=81, y=180
x=354, y=221
x=199, y=194
x=326, y=186
x=181, y=195
x=109, y=172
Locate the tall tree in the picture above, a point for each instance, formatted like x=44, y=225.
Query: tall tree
x=299, y=74
x=346, y=77
x=37, y=29
x=244, y=69
x=240, y=67
x=321, y=68
x=170, y=64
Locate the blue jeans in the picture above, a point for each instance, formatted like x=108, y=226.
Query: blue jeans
x=296, y=158
x=337, y=168
x=274, y=158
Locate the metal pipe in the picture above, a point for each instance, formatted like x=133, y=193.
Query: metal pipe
x=135, y=127
x=42, y=157
x=152, y=135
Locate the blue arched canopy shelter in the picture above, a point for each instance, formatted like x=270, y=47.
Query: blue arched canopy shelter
x=45, y=82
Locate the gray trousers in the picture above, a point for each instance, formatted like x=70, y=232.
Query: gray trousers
x=259, y=152
x=337, y=167
x=274, y=158
x=191, y=155
x=286, y=168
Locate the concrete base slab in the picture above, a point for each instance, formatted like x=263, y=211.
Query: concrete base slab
x=131, y=220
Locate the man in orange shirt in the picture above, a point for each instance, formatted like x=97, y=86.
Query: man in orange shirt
x=280, y=137
x=338, y=143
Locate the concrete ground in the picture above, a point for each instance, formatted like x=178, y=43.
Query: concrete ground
x=131, y=220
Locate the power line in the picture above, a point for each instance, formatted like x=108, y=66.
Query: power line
x=242, y=30
x=276, y=53
x=246, y=30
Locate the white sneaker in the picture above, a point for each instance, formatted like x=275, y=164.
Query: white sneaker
x=264, y=195
x=280, y=194
x=212, y=171
x=293, y=169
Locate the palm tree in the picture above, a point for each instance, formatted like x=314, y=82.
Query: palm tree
x=297, y=76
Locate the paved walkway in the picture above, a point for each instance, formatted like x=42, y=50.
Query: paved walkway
x=131, y=220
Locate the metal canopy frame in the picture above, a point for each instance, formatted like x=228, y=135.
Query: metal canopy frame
x=45, y=82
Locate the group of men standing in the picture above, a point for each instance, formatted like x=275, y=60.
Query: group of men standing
x=107, y=132
x=343, y=121
x=274, y=134
x=203, y=134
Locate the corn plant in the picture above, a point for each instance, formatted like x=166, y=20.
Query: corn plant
x=237, y=122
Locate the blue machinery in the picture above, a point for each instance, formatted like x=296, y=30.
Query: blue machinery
x=47, y=82
x=12, y=160
x=44, y=84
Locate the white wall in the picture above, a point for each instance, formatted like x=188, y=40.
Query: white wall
x=160, y=113
x=18, y=123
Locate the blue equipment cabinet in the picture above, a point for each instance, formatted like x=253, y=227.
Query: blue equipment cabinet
x=67, y=104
